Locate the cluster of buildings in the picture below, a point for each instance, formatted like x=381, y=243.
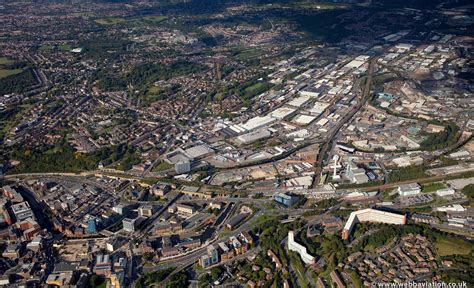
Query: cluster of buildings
x=375, y=130
x=18, y=221
x=78, y=209
x=105, y=258
x=227, y=250
x=23, y=240
x=400, y=261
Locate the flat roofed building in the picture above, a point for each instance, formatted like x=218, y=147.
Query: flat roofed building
x=211, y=258
x=199, y=151
x=103, y=265
x=300, y=249
x=318, y=108
x=371, y=215
x=12, y=194
x=145, y=211
x=12, y=251
x=120, y=209
x=310, y=92
x=409, y=189
x=445, y=192
x=299, y=101
x=194, y=192
x=356, y=175
x=22, y=211
x=185, y=209
x=226, y=252
x=247, y=237
x=253, y=136
x=285, y=199
x=282, y=112
x=235, y=221
x=303, y=120
x=130, y=225
x=182, y=166
x=160, y=189
x=257, y=122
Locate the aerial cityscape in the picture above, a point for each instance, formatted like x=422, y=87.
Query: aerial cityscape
x=236, y=143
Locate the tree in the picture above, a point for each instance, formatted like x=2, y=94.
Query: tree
x=216, y=272
x=468, y=191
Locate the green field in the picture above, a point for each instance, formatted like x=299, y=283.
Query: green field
x=432, y=187
x=6, y=61
x=161, y=167
x=453, y=246
x=155, y=18
x=65, y=47
x=256, y=88
x=249, y=54
x=154, y=90
x=8, y=72
x=46, y=47
x=109, y=21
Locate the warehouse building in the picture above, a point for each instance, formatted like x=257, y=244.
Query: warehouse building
x=235, y=221
x=253, y=136
x=409, y=189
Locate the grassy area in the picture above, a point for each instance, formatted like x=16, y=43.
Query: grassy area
x=65, y=47
x=432, y=187
x=63, y=158
x=407, y=173
x=254, y=88
x=299, y=268
x=452, y=246
x=162, y=166
x=6, y=61
x=46, y=47
x=136, y=21
x=155, y=18
x=109, y=21
x=8, y=118
x=154, y=89
x=8, y=72
x=17, y=81
x=249, y=54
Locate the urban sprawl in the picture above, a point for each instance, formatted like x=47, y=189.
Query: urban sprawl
x=236, y=143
